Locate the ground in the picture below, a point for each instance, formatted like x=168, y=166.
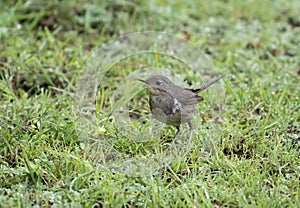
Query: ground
x=75, y=127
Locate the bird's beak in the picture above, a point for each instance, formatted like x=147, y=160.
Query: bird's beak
x=142, y=80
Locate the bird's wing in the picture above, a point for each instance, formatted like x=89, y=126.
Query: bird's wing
x=187, y=97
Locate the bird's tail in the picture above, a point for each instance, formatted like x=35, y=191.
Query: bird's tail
x=207, y=85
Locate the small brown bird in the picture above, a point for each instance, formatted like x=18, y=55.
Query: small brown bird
x=172, y=104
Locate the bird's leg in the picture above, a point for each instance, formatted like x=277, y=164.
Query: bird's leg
x=191, y=133
x=178, y=130
x=175, y=138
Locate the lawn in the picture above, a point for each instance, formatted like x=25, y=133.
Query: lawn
x=75, y=124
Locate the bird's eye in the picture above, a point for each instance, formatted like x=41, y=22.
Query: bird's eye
x=158, y=82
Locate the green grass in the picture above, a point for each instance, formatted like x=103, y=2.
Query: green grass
x=62, y=144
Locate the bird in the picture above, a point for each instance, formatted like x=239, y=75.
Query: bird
x=172, y=104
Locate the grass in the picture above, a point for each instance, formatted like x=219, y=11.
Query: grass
x=72, y=135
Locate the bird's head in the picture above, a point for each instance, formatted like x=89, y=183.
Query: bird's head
x=157, y=84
